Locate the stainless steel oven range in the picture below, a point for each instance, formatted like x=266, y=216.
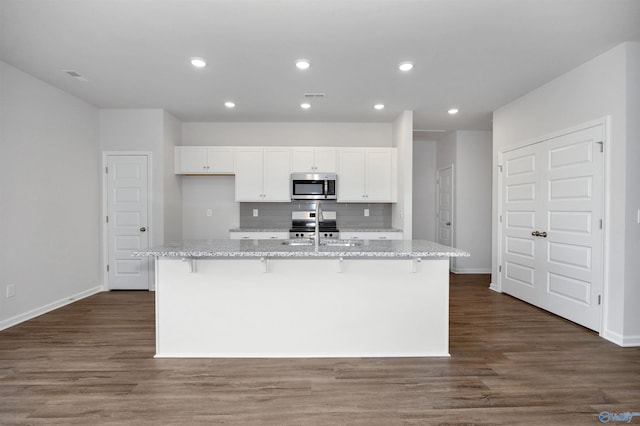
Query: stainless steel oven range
x=303, y=225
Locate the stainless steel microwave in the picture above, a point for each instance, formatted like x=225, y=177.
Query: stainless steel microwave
x=313, y=186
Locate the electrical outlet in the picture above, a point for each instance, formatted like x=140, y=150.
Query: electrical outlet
x=255, y=212
x=209, y=212
x=11, y=290
x=366, y=212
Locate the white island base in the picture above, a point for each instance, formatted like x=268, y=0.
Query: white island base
x=293, y=307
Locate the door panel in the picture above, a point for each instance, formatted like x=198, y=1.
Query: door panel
x=445, y=206
x=575, y=192
x=127, y=207
x=521, y=255
x=555, y=187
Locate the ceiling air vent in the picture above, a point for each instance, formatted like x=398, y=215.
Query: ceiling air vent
x=314, y=95
x=75, y=75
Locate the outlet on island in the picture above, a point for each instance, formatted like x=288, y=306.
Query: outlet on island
x=255, y=212
x=366, y=212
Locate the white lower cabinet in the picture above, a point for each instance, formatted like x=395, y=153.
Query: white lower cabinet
x=259, y=235
x=371, y=235
x=262, y=174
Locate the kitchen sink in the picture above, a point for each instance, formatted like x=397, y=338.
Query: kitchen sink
x=297, y=243
x=341, y=243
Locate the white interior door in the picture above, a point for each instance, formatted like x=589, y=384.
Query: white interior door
x=445, y=206
x=552, y=225
x=128, y=228
x=521, y=194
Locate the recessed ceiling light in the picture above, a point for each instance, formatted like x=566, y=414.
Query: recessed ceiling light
x=453, y=111
x=379, y=106
x=229, y=104
x=405, y=66
x=198, y=62
x=305, y=105
x=303, y=64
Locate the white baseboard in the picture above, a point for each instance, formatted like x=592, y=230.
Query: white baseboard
x=494, y=287
x=621, y=340
x=471, y=270
x=15, y=320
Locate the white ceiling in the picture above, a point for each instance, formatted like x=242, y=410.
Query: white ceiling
x=476, y=55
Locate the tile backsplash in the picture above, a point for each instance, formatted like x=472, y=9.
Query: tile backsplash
x=349, y=215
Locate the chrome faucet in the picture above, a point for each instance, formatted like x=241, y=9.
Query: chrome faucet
x=318, y=220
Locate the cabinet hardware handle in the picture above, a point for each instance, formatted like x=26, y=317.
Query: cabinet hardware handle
x=542, y=234
x=535, y=233
x=143, y=229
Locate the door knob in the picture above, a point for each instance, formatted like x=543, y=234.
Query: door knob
x=448, y=223
x=143, y=229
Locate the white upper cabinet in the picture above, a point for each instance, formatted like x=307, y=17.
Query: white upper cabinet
x=313, y=160
x=262, y=174
x=205, y=160
x=367, y=175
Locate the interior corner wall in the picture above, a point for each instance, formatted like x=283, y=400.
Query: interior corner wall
x=49, y=212
x=590, y=92
x=424, y=190
x=473, y=201
x=632, y=246
x=403, y=140
x=172, y=185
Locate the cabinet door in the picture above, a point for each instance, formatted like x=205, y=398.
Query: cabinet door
x=379, y=175
x=276, y=175
x=302, y=160
x=371, y=235
x=191, y=159
x=351, y=165
x=221, y=160
x=258, y=235
x=249, y=174
x=325, y=160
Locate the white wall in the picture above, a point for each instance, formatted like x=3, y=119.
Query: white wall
x=288, y=134
x=424, y=190
x=473, y=201
x=217, y=193
x=590, y=92
x=632, y=202
x=172, y=185
x=139, y=130
x=49, y=211
x=403, y=140
x=470, y=154
x=157, y=132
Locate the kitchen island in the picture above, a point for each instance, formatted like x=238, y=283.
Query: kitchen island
x=274, y=298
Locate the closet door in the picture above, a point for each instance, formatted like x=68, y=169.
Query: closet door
x=552, y=207
x=573, y=212
x=522, y=211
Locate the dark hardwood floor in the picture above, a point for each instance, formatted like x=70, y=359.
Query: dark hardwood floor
x=511, y=363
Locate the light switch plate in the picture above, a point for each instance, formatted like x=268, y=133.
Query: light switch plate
x=366, y=212
x=255, y=212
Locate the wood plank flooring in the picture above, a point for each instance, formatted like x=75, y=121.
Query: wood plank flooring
x=511, y=363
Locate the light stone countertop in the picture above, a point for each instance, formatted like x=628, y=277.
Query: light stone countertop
x=275, y=248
